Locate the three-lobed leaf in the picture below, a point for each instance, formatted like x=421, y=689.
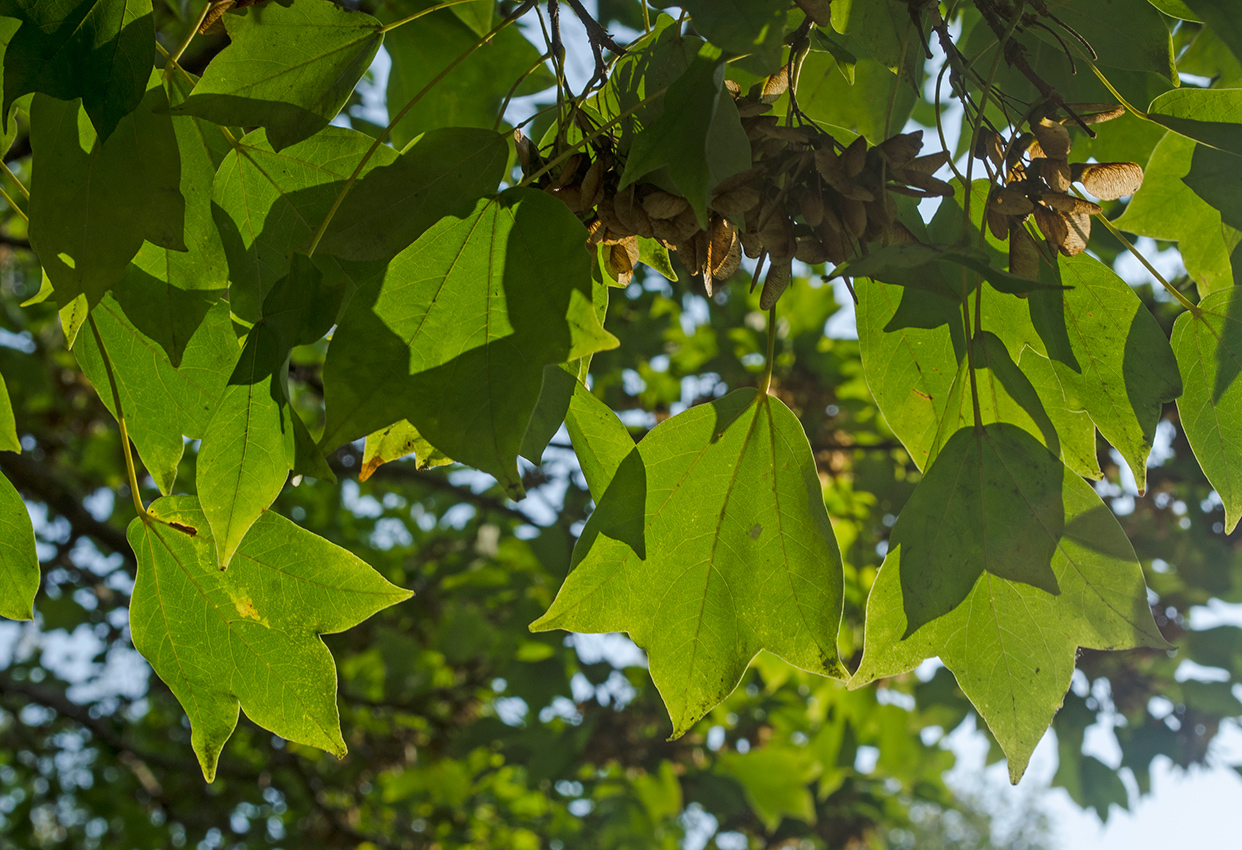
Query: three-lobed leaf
x=288, y=68
x=1208, y=344
x=455, y=334
x=710, y=543
x=1003, y=563
x=247, y=636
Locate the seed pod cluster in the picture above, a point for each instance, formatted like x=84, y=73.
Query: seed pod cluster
x=1037, y=180
x=806, y=196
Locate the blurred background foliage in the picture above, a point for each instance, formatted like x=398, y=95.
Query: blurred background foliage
x=467, y=731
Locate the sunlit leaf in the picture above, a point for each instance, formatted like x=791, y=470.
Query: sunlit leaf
x=397, y=441
x=710, y=544
x=19, y=564
x=1210, y=116
x=600, y=440
x=248, y=636
x=1003, y=563
x=289, y=69
x=98, y=50
x=1208, y=344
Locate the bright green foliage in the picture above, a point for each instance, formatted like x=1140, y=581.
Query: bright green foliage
x=270, y=204
x=396, y=441
x=740, y=26
x=1208, y=344
x=455, y=334
x=1205, y=115
x=775, y=780
x=19, y=565
x=93, y=203
x=9, y=441
x=600, y=440
x=171, y=352
x=288, y=69
x=471, y=96
x=1003, y=564
x=711, y=543
x=1127, y=34
x=935, y=268
x=98, y=50
x=246, y=636
x=1167, y=208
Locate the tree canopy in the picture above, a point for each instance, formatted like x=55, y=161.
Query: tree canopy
x=342, y=425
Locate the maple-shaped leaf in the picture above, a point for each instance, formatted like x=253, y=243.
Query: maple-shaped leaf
x=19, y=563
x=269, y=204
x=711, y=543
x=247, y=636
x=455, y=335
x=94, y=201
x=600, y=439
x=1003, y=563
x=1208, y=344
x=98, y=50
x=287, y=68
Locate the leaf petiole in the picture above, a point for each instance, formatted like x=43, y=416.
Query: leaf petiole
x=120, y=419
x=1172, y=290
x=771, y=354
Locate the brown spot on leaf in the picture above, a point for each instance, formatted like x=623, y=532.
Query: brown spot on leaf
x=755, y=531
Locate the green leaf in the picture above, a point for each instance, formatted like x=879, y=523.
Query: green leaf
x=862, y=106
x=1208, y=344
x=1210, y=116
x=1127, y=34
x=911, y=344
x=1215, y=177
x=246, y=636
x=93, y=204
x=248, y=448
x=9, y=441
x=1003, y=563
x=1167, y=208
x=472, y=94
x=98, y=50
x=882, y=29
x=776, y=780
x=141, y=322
x=600, y=440
x=270, y=204
x=1176, y=9
x=1222, y=17
x=1008, y=394
x=19, y=564
x=1110, y=355
x=476, y=14
x=455, y=334
x=907, y=264
x=711, y=543
x=682, y=137
x=655, y=255
x=397, y=441
x=558, y=387
x=755, y=27
x=289, y=69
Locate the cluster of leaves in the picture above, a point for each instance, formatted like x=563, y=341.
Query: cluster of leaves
x=230, y=268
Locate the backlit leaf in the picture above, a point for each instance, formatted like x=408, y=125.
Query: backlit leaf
x=600, y=440
x=753, y=27
x=1003, y=563
x=8, y=424
x=1208, y=344
x=1210, y=116
x=710, y=544
x=247, y=636
x=289, y=69
x=19, y=564
x=270, y=204
x=92, y=205
x=455, y=334
x=98, y=50
x=397, y=441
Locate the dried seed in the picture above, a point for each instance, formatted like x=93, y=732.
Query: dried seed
x=900, y=149
x=1109, y=181
x=811, y=202
x=898, y=234
x=751, y=109
x=811, y=251
x=1023, y=252
x=855, y=158
x=1098, y=113
x=1069, y=204
x=593, y=184
x=775, y=283
x=1051, y=224
x=619, y=260
x=1011, y=202
x=933, y=186
x=929, y=164
x=775, y=86
x=1053, y=138
x=854, y=215
x=998, y=222
x=733, y=88
x=1056, y=173
x=1078, y=231
x=661, y=204
x=819, y=11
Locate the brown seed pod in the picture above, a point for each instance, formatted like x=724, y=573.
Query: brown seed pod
x=1054, y=139
x=775, y=283
x=666, y=230
x=752, y=244
x=929, y=164
x=630, y=210
x=661, y=204
x=593, y=184
x=898, y=234
x=733, y=88
x=1098, y=113
x=991, y=146
x=687, y=223
x=620, y=260
x=608, y=215
x=932, y=186
x=1109, y=181
x=854, y=215
x=569, y=171
x=751, y=109
x=811, y=203
x=775, y=86
x=1023, y=252
x=736, y=202
x=854, y=159
x=1069, y=204
x=900, y=149
x=998, y=222
x=527, y=153
x=1078, y=227
x=819, y=11
x=571, y=196
x=757, y=127
x=1051, y=224
x=1056, y=173
x=832, y=234
x=811, y=251
x=1011, y=202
